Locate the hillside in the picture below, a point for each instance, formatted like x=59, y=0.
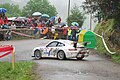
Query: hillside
x=111, y=36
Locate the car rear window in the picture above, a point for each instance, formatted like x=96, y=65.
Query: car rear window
x=71, y=43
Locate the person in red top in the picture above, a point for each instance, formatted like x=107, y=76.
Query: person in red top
x=65, y=32
x=1, y=20
x=59, y=20
x=6, y=20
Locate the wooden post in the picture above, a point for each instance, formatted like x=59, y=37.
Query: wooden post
x=13, y=59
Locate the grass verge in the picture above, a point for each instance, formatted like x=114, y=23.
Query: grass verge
x=23, y=71
x=116, y=58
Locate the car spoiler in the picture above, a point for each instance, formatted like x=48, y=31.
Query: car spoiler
x=75, y=44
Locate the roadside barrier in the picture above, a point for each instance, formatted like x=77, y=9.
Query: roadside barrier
x=103, y=40
x=6, y=50
x=6, y=34
x=18, y=33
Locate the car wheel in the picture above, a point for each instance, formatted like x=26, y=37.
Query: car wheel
x=80, y=58
x=37, y=54
x=61, y=55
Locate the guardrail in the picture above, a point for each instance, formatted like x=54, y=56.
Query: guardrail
x=104, y=43
x=17, y=34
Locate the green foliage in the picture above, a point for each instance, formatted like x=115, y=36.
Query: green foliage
x=116, y=58
x=106, y=28
x=76, y=16
x=99, y=29
x=109, y=8
x=100, y=46
x=23, y=71
x=42, y=6
x=12, y=10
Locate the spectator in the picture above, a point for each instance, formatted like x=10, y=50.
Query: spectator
x=6, y=20
x=5, y=26
x=59, y=20
x=53, y=31
x=69, y=33
x=1, y=37
x=74, y=32
x=45, y=32
x=65, y=33
x=8, y=35
x=1, y=20
x=13, y=26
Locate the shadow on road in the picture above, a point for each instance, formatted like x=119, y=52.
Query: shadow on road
x=49, y=58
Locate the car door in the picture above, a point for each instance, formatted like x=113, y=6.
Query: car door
x=51, y=49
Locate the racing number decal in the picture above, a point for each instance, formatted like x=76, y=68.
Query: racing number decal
x=51, y=51
x=54, y=51
x=48, y=51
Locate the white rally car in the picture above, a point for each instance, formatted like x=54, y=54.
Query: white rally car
x=61, y=49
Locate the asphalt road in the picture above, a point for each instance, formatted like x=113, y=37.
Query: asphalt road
x=93, y=67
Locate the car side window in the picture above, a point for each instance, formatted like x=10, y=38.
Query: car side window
x=60, y=45
x=52, y=44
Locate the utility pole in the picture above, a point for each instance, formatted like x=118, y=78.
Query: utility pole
x=90, y=21
x=69, y=8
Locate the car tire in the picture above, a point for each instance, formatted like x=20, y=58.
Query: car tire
x=80, y=58
x=38, y=54
x=61, y=55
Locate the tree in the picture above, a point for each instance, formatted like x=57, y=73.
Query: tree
x=42, y=6
x=12, y=10
x=108, y=8
x=76, y=16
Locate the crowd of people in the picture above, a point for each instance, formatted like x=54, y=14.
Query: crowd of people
x=60, y=33
x=50, y=28
x=47, y=28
